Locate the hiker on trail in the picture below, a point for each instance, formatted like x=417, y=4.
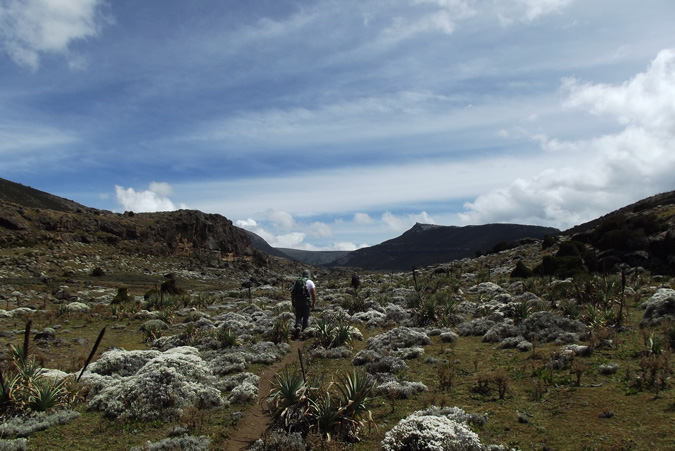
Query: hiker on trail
x=303, y=298
x=356, y=282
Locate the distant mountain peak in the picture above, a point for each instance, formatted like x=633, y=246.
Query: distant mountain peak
x=428, y=244
x=419, y=227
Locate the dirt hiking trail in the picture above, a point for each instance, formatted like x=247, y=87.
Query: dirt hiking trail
x=255, y=420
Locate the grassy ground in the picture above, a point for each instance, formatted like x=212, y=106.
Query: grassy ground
x=575, y=408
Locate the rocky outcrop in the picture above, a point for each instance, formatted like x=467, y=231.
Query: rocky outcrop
x=638, y=235
x=183, y=232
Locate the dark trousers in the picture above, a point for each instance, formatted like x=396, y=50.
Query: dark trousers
x=302, y=316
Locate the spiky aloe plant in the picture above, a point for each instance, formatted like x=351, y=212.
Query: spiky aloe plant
x=288, y=389
x=289, y=402
x=48, y=394
x=341, y=335
x=29, y=371
x=522, y=311
x=324, y=332
x=227, y=338
x=8, y=392
x=151, y=332
x=592, y=317
x=280, y=332
x=326, y=415
x=24, y=387
x=355, y=389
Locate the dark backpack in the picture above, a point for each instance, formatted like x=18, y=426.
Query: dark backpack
x=300, y=293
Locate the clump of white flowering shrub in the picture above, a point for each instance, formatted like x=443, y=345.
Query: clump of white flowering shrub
x=185, y=443
x=20, y=426
x=429, y=432
x=400, y=390
x=401, y=337
x=246, y=391
x=19, y=444
x=121, y=362
x=160, y=389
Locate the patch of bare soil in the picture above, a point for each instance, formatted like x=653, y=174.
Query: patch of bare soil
x=256, y=419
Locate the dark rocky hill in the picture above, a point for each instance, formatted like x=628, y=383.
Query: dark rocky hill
x=643, y=205
x=29, y=216
x=32, y=198
x=638, y=235
x=425, y=245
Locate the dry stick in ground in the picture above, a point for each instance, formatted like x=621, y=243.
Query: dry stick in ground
x=623, y=291
x=26, y=339
x=302, y=367
x=91, y=354
x=414, y=277
x=3, y=387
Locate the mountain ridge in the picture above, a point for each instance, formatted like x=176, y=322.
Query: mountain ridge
x=639, y=234
x=428, y=244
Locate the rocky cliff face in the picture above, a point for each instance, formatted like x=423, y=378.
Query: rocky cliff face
x=184, y=232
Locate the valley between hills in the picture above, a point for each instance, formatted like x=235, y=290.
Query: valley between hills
x=562, y=341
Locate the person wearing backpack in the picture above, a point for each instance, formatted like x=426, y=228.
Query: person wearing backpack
x=356, y=282
x=303, y=298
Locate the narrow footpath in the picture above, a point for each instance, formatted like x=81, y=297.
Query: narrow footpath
x=254, y=421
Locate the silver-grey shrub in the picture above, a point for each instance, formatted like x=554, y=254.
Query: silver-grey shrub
x=547, y=327
x=400, y=390
x=161, y=389
x=121, y=362
x=401, y=337
x=426, y=430
x=19, y=444
x=185, y=443
x=25, y=426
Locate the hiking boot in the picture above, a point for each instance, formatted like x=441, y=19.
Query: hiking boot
x=296, y=333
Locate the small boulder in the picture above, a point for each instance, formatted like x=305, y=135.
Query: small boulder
x=46, y=334
x=659, y=308
x=78, y=307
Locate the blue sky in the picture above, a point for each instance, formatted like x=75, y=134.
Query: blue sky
x=336, y=124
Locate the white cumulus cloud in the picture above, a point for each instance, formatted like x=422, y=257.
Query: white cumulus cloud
x=150, y=200
x=248, y=224
x=529, y=10
x=320, y=229
x=280, y=219
x=363, y=219
x=402, y=223
x=602, y=173
x=647, y=100
x=29, y=28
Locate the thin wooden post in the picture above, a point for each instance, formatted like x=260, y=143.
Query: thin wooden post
x=414, y=277
x=302, y=367
x=26, y=340
x=91, y=354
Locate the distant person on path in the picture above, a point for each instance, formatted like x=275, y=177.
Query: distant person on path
x=303, y=298
x=356, y=282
